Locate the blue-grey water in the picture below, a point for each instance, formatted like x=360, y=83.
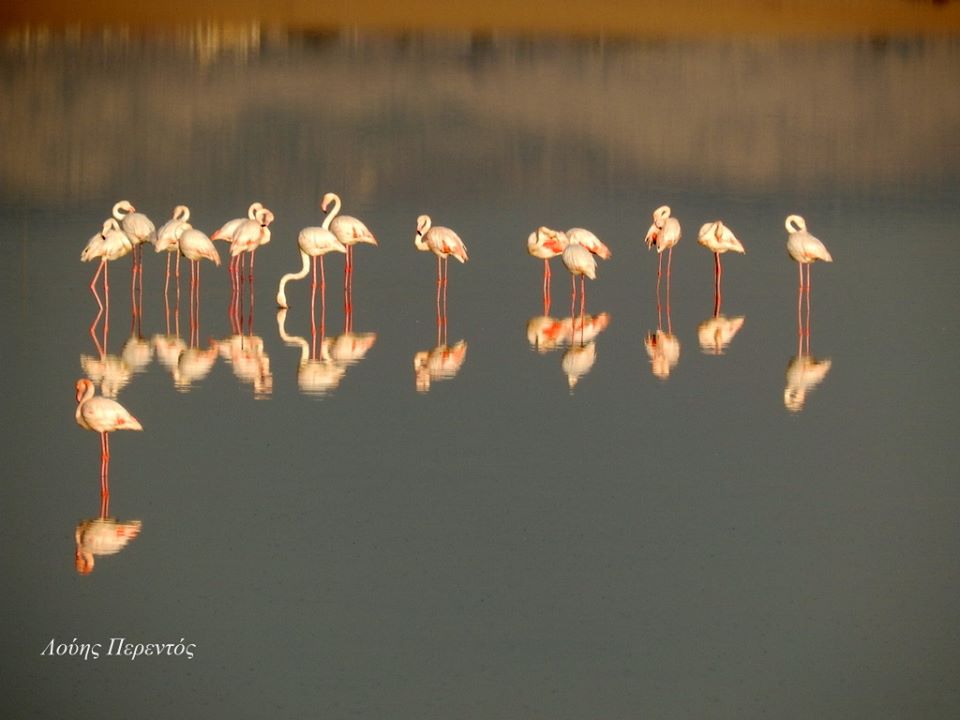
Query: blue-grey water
x=666, y=544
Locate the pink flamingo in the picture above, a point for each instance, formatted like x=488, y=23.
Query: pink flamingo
x=545, y=244
x=805, y=249
x=140, y=229
x=349, y=231
x=442, y=242
x=167, y=237
x=578, y=258
x=109, y=244
x=314, y=242
x=664, y=234
x=102, y=415
x=225, y=232
x=196, y=246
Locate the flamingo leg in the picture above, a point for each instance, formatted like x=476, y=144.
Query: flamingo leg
x=104, y=465
x=323, y=301
x=106, y=301
x=659, y=264
x=583, y=296
x=669, y=260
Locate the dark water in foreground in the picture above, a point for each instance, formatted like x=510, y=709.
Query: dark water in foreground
x=501, y=545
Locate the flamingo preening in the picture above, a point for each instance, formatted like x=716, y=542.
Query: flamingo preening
x=663, y=234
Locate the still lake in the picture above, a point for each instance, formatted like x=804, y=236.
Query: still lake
x=656, y=539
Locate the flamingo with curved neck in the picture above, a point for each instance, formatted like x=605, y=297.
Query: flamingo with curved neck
x=314, y=242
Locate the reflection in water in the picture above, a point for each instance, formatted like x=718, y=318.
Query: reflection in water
x=804, y=373
x=662, y=346
x=576, y=333
x=101, y=535
x=251, y=364
x=168, y=349
x=442, y=362
x=316, y=376
x=442, y=242
x=716, y=333
x=193, y=365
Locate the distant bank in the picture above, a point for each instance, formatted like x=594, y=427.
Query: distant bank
x=627, y=18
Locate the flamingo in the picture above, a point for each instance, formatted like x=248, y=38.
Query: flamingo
x=102, y=415
x=109, y=244
x=663, y=348
x=140, y=229
x=664, y=233
x=590, y=241
x=167, y=237
x=314, y=242
x=249, y=235
x=545, y=244
x=804, y=247
x=442, y=242
x=349, y=230
x=225, y=232
x=804, y=373
x=101, y=536
x=579, y=261
x=718, y=238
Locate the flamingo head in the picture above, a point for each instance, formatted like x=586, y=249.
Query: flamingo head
x=254, y=209
x=264, y=217
x=660, y=215
x=109, y=226
x=795, y=223
x=123, y=208
x=423, y=224
x=181, y=213
x=328, y=199
x=83, y=561
x=84, y=387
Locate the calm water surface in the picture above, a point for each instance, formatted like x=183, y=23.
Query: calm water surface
x=666, y=538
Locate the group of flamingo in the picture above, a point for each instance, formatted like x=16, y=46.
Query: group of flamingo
x=127, y=231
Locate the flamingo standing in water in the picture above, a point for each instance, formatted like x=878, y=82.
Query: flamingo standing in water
x=140, y=229
x=109, y=244
x=314, y=242
x=578, y=258
x=196, y=246
x=805, y=249
x=349, y=231
x=225, y=232
x=545, y=244
x=167, y=237
x=664, y=233
x=250, y=235
x=102, y=415
x=718, y=238
x=442, y=242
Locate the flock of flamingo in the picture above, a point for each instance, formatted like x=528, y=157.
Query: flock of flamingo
x=128, y=231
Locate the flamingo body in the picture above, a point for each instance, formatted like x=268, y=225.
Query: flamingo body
x=718, y=238
x=138, y=227
x=580, y=261
x=801, y=245
x=226, y=231
x=664, y=233
x=109, y=244
x=591, y=242
x=195, y=245
x=441, y=241
x=101, y=414
x=169, y=232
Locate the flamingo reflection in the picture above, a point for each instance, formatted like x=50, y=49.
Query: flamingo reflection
x=663, y=347
x=194, y=364
x=248, y=357
x=317, y=373
x=442, y=362
x=101, y=535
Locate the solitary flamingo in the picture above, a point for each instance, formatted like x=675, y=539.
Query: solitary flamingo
x=442, y=242
x=314, y=242
x=167, y=237
x=718, y=238
x=664, y=234
x=102, y=415
x=804, y=247
x=545, y=244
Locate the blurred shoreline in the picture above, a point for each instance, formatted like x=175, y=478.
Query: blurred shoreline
x=632, y=18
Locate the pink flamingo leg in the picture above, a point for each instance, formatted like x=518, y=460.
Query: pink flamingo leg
x=659, y=264
x=669, y=261
x=104, y=465
x=583, y=296
x=323, y=301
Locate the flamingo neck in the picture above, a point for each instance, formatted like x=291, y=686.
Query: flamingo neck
x=118, y=211
x=334, y=211
x=281, y=294
x=419, y=240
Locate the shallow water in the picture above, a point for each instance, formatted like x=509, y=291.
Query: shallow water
x=500, y=544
